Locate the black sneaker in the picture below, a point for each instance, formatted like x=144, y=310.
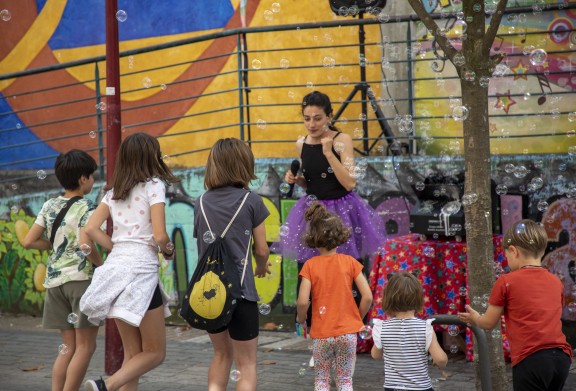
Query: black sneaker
x=95, y=385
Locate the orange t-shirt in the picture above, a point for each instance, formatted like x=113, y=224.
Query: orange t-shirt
x=334, y=311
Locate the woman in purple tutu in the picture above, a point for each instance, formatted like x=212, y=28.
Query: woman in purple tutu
x=327, y=161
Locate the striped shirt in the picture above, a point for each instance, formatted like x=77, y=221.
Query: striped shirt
x=405, y=344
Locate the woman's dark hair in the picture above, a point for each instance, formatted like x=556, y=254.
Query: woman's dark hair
x=71, y=166
x=319, y=99
x=325, y=229
x=139, y=160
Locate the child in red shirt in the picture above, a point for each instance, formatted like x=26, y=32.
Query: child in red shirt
x=531, y=299
x=336, y=318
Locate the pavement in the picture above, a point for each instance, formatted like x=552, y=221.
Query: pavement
x=27, y=352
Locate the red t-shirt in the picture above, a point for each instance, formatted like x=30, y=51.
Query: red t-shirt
x=334, y=311
x=532, y=299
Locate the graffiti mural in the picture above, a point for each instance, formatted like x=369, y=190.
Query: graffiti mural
x=22, y=271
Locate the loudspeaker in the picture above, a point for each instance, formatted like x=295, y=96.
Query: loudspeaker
x=353, y=7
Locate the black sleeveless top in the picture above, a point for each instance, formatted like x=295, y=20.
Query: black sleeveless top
x=320, y=179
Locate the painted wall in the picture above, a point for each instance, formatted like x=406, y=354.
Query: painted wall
x=387, y=186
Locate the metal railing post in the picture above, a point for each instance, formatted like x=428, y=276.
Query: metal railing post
x=481, y=344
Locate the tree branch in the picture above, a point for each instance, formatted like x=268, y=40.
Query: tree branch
x=433, y=28
x=494, y=25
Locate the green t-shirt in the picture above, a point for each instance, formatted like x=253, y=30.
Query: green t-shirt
x=66, y=261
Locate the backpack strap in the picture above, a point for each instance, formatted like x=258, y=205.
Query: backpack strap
x=228, y=227
x=58, y=220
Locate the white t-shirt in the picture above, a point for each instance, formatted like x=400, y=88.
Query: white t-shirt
x=131, y=217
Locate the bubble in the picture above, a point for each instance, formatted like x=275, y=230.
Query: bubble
x=284, y=188
x=5, y=15
x=261, y=124
x=41, y=174
x=284, y=63
x=328, y=62
x=460, y=113
x=14, y=186
x=535, y=184
x=268, y=15
x=85, y=249
x=330, y=170
x=284, y=231
x=453, y=330
x=469, y=199
x=538, y=57
x=72, y=318
x=310, y=85
x=163, y=87
x=92, y=134
x=520, y=171
x=419, y=186
x=428, y=251
x=501, y=189
x=147, y=82
x=276, y=7
x=208, y=237
x=520, y=228
x=235, y=375
x=358, y=230
x=256, y=64
x=170, y=246
x=459, y=59
x=542, y=206
x=484, y=81
x=302, y=371
x=63, y=349
x=453, y=349
x=322, y=310
x=264, y=308
x=460, y=27
x=452, y=306
x=121, y=15
x=572, y=150
x=365, y=332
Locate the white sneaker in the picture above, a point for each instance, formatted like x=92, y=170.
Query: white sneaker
x=311, y=362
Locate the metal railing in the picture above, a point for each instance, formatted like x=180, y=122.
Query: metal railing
x=227, y=91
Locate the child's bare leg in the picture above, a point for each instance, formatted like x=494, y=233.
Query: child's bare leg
x=221, y=361
x=85, y=347
x=65, y=354
x=245, y=360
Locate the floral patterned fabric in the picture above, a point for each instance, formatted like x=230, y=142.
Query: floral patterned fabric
x=441, y=267
x=66, y=262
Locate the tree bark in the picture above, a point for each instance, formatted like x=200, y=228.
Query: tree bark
x=478, y=65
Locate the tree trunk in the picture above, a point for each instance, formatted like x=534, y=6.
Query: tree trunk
x=475, y=67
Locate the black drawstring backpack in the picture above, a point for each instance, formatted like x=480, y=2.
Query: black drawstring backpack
x=215, y=286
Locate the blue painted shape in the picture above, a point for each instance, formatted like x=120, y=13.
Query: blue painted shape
x=21, y=135
x=83, y=22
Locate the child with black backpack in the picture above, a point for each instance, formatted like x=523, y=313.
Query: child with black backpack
x=229, y=170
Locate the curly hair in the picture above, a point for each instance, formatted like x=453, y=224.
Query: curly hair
x=325, y=229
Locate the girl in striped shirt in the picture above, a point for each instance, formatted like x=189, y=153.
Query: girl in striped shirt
x=403, y=340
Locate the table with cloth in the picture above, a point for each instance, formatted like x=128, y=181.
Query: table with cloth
x=441, y=267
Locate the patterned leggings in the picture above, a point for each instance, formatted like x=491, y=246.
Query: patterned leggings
x=338, y=351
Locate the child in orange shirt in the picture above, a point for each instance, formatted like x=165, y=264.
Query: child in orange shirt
x=336, y=318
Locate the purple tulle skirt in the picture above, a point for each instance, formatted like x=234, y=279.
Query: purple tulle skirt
x=368, y=231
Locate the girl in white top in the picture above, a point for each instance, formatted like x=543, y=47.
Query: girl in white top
x=403, y=340
x=127, y=286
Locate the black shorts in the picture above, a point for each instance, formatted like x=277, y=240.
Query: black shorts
x=545, y=369
x=244, y=324
x=156, y=299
